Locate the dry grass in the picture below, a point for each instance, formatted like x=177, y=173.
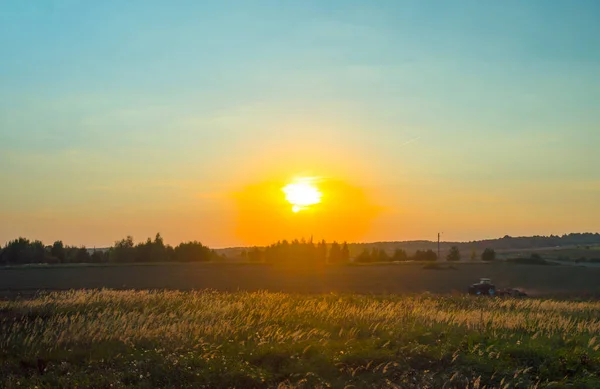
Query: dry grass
x=99, y=339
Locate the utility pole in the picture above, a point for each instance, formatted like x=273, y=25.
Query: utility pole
x=439, y=258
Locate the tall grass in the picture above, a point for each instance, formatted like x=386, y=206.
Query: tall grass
x=103, y=339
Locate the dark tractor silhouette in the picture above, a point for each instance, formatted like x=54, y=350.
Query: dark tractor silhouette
x=485, y=287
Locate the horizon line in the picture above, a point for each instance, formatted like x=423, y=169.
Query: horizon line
x=103, y=247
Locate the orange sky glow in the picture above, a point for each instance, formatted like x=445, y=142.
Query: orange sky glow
x=345, y=212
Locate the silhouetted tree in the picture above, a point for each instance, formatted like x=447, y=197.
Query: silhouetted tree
x=255, y=255
x=152, y=250
x=159, y=250
x=322, y=252
x=428, y=255
x=383, y=256
x=335, y=253
x=98, y=257
x=488, y=255
x=363, y=257
x=22, y=251
x=193, y=252
x=297, y=254
x=58, y=251
x=453, y=254
x=82, y=255
x=123, y=251
x=400, y=255
x=473, y=255
x=345, y=253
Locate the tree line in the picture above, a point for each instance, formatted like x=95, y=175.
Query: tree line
x=400, y=255
x=487, y=255
x=22, y=251
x=300, y=253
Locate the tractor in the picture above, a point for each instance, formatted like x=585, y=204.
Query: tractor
x=485, y=287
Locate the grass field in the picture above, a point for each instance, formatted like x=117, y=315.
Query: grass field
x=116, y=339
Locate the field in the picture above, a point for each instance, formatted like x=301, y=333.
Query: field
x=537, y=280
x=254, y=326
x=171, y=339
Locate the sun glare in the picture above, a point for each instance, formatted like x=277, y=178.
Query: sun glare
x=302, y=194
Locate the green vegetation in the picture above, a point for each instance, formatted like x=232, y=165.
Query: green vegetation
x=453, y=254
x=102, y=339
x=400, y=255
x=576, y=248
x=300, y=252
x=22, y=251
x=488, y=255
x=376, y=255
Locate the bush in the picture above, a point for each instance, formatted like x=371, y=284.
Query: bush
x=488, y=255
x=22, y=251
x=193, y=252
x=400, y=255
x=453, y=255
x=364, y=257
x=428, y=255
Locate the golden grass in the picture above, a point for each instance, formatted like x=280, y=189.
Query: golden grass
x=329, y=340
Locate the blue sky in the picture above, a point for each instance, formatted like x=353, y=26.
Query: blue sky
x=131, y=117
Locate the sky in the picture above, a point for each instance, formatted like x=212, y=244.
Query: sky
x=475, y=119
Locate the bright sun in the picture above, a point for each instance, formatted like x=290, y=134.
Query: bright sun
x=302, y=194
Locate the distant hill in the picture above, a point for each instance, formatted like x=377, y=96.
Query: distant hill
x=507, y=244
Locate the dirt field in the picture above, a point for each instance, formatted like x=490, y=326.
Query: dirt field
x=399, y=278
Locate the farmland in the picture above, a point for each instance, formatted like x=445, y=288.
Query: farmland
x=557, y=281
x=219, y=325
x=172, y=339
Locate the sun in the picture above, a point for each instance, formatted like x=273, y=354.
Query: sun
x=302, y=194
